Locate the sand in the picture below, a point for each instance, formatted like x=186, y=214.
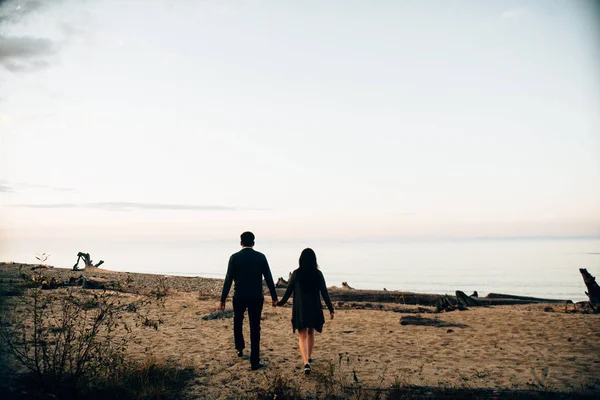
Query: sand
x=513, y=347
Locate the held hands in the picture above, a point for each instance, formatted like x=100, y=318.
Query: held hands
x=274, y=302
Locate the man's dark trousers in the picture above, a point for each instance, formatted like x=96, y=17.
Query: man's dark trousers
x=254, y=307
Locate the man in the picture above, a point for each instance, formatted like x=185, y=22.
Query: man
x=246, y=268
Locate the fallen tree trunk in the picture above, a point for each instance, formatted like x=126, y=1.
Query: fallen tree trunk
x=465, y=300
x=445, y=303
x=40, y=266
x=524, y=298
x=95, y=283
x=423, y=299
x=593, y=290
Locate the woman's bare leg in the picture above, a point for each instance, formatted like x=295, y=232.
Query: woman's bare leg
x=311, y=342
x=303, y=344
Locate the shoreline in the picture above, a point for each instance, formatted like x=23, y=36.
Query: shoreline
x=212, y=287
x=523, y=268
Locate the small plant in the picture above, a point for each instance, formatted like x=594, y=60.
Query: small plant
x=152, y=323
x=277, y=386
x=160, y=292
x=154, y=379
x=42, y=258
x=327, y=381
x=398, y=388
x=480, y=374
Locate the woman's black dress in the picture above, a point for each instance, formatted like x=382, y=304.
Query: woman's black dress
x=307, y=310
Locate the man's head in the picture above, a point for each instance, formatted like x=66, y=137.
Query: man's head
x=247, y=239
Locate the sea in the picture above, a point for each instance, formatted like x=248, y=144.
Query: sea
x=538, y=267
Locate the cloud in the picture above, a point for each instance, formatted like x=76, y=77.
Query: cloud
x=25, y=53
x=128, y=206
x=5, y=187
x=515, y=13
x=14, y=11
x=10, y=187
x=4, y=119
x=71, y=30
x=24, y=46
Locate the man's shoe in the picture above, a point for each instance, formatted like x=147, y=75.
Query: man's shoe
x=257, y=366
x=307, y=369
x=240, y=353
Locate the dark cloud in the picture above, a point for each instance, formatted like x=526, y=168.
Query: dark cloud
x=25, y=53
x=128, y=206
x=15, y=10
x=20, y=47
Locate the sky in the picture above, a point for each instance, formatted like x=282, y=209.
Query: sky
x=326, y=119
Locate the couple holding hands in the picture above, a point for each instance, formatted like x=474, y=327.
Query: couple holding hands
x=246, y=268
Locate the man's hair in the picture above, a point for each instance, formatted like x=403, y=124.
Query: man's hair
x=247, y=239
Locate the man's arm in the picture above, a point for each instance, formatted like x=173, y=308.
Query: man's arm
x=227, y=283
x=266, y=271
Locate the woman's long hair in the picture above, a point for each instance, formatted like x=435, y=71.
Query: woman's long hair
x=307, y=272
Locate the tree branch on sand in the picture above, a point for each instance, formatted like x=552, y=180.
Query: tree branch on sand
x=593, y=290
x=86, y=260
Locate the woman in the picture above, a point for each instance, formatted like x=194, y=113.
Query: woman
x=307, y=312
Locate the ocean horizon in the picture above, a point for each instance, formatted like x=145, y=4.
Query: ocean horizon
x=539, y=267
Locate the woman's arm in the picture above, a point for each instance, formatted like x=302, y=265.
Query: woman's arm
x=325, y=294
x=288, y=291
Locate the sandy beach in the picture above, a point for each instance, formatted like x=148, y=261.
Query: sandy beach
x=525, y=348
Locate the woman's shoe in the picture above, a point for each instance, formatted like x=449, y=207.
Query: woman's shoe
x=307, y=369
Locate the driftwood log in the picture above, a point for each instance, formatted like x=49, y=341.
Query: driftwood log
x=95, y=283
x=422, y=299
x=418, y=320
x=445, y=303
x=86, y=260
x=524, y=298
x=40, y=266
x=465, y=300
x=51, y=283
x=593, y=290
x=281, y=283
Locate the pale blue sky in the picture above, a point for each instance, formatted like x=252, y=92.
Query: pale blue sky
x=299, y=119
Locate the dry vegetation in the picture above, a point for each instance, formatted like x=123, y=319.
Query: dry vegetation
x=151, y=337
x=73, y=343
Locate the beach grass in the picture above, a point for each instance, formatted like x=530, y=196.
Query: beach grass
x=152, y=337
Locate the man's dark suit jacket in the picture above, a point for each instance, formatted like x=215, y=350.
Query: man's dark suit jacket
x=246, y=268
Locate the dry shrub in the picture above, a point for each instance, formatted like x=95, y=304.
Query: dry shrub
x=151, y=379
x=277, y=386
x=65, y=340
x=73, y=344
